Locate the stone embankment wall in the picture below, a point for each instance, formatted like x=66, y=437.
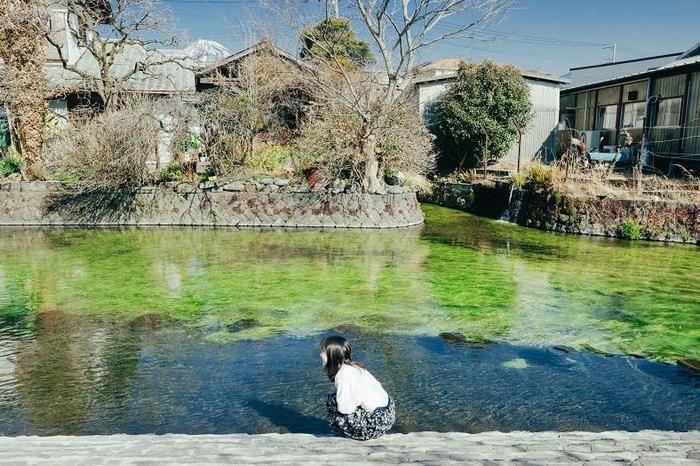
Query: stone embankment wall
x=532, y=206
x=235, y=204
x=601, y=216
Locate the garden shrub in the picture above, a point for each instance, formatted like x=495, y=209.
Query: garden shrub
x=537, y=177
x=487, y=102
x=183, y=143
x=108, y=149
x=251, y=109
x=630, y=229
x=331, y=139
x=173, y=172
x=10, y=163
x=267, y=159
x=518, y=179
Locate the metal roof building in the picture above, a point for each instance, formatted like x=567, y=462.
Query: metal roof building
x=434, y=79
x=656, y=99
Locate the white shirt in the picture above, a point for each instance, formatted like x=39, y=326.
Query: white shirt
x=357, y=387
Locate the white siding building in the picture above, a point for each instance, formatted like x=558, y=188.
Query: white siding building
x=435, y=78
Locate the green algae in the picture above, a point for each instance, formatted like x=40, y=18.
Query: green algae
x=457, y=274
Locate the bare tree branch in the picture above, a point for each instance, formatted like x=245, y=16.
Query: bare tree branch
x=118, y=45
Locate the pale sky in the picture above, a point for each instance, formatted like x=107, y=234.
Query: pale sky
x=542, y=34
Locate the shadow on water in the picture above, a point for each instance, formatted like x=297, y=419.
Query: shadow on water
x=289, y=419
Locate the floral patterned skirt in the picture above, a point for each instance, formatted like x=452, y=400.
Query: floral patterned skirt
x=360, y=424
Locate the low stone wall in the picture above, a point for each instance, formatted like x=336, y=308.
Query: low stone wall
x=648, y=447
x=619, y=218
x=535, y=207
x=236, y=204
x=484, y=198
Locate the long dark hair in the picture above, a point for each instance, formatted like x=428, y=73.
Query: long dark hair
x=338, y=352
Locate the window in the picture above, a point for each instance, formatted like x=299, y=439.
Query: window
x=669, y=112
x=607, y=117
x=633, y=115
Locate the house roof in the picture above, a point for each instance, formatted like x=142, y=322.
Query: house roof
x=446, y=69
x=584, y=76
x=170, y=71
x=595, y=75
x=263, y=45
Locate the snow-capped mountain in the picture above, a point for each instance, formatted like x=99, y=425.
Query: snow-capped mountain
x=206, y=52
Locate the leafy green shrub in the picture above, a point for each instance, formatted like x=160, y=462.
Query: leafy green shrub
x=478, y=118
x=185, y=141
x=630, y=229
x=10, y=163
x=267, y=159
x=172, y=172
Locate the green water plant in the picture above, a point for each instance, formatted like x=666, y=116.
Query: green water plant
x=460, y=274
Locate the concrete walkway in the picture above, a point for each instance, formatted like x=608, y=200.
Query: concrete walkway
x=640, y=448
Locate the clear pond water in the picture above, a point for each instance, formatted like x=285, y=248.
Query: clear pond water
x=470, y=324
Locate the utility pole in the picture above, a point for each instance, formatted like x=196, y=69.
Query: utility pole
x=336, y=8
x=520, y=143
x=614, y=50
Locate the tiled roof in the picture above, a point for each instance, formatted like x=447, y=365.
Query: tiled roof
x=169, y=71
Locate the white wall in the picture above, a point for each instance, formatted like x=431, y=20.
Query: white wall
x=545, y=105
x=63, y=27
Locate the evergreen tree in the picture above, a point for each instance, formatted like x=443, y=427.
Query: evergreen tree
x=335, y=42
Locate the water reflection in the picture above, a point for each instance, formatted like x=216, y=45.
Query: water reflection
x=457, y=274
x=85, y=375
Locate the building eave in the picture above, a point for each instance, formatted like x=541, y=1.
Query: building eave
x=658, y=72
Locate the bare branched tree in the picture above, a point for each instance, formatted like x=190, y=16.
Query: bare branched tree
x=122, y=39
x=247, y=104
x=400, y=30
x=23, y=86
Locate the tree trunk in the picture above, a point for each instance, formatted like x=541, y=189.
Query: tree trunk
x=28, y=108
x=371, y=182
x=31, y=138
x=24, y=84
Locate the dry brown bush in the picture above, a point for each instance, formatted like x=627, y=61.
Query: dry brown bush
x=332, y=139
x=599, y=181
x=109, y=149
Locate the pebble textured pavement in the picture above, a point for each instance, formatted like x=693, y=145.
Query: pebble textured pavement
x=636, y=448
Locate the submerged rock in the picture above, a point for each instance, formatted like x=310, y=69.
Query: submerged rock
x=517, y=363
x=348, y=329
x=563, y=349
x=459, y=339
x=242, y=324
x=147, y=321
x=693, y=364
x=588, y=347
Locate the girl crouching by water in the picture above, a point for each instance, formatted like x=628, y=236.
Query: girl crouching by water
x=359, y=408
